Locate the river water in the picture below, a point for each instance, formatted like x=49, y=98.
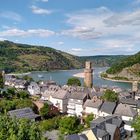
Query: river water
x=61, y=77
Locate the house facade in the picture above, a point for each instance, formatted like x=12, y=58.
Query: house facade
x=76, y=102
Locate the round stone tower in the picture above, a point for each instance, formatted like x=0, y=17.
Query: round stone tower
x=88, y=80
x=135, y=86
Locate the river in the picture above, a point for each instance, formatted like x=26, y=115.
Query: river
x=61, y=77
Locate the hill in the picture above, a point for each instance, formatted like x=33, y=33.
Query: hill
x=129, y=67
x=16, y=57
x=104, y=60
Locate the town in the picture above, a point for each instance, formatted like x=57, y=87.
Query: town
x=103, y=113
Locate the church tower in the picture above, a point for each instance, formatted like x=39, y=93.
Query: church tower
x=88, y=80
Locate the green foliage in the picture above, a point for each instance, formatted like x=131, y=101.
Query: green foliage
x=1, y=80
x=7, y=105
x=50, y=124
x=104, y=75
x=126, y=62
x=89, y=118
x=136, y=126
x=110, y=95
x=23, y=94
x=73, y=81
x=120, y=78
x=70, y=125
x=27, y=78
x=44, y=111
x=49, y=111
x=24, y=58
x=22, y=129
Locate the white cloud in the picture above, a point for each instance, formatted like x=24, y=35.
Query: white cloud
x=26, y=33
x=11, y=15
x=82, y=33
x=2, y=39
x=113, y=31
x=41, y=11
x=60, y=43
x=102, y=22
x=76, y=49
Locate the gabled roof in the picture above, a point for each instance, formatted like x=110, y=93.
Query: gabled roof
x=99, y=133
x=114, y=119
x=108, y=107
x=93, y=104
x=125, y=110
x=111, y=128
x=78, y=95
x=23, y=113
x=60, y=94
x=129, y=101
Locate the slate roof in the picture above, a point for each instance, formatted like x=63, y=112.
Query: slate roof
x=60, y=94
x=125, y=110
x=91, y=103
x=114, y=119
x=76, y=137
x=129, y=101
x=108, y=107
x=78, y=95
x=111, y=128
x=99, y=133
x=23, y=113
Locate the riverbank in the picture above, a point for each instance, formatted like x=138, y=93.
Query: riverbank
x=79, y=75
x=120, y=81
x=19, y=74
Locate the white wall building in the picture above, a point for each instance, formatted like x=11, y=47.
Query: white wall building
x=76, y=102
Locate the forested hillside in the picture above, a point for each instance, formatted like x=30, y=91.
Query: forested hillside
x=23, y=58
x=16, y=57
x=130, y=62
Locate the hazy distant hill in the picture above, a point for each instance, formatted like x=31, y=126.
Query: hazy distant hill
x=104, y=60
x=16, y=57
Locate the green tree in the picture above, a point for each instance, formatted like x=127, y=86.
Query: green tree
x=73, y=82
x=110, y=95
x=19, y=129
x=136, y=126
x=7, y=105
x=23, y=94
x=27, y=78
x=11, y=92
x=89, y=118
x=69, y=125
x=44, y=111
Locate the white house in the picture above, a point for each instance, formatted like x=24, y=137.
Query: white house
x=107, y=109
x=93, y=107
x=33, y=88
x=76, y=102
x=127, y=114
x=60, y=99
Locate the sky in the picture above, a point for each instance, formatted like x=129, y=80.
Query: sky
x=79, y=27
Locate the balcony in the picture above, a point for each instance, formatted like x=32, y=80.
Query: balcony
x=71, y=106
x=71, y=112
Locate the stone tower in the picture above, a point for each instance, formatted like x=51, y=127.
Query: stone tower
x=135, y=86
x=88, y=80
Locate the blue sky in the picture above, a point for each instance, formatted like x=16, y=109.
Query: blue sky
x=79, y=27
